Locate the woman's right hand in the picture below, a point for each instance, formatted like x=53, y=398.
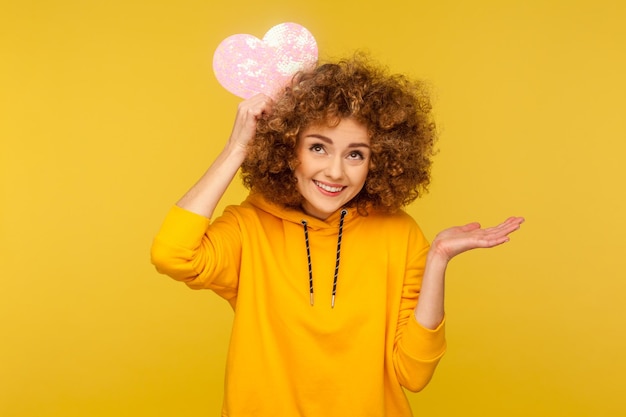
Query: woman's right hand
x=203, y=197
x=248, y=113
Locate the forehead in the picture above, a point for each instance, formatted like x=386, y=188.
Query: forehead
x=347, y=129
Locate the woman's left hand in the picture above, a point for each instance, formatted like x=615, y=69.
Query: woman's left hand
x=455, y=240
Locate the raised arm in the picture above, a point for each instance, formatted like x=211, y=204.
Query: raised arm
x=204, y=196
x=446, y=245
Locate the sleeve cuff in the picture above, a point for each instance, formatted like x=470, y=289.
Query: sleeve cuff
x=183, y=228
x=422, y=343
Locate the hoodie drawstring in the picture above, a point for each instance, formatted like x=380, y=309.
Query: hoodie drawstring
x=337, y=258
x=308, y=256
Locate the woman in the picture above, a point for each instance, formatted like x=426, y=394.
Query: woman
x=338, y=296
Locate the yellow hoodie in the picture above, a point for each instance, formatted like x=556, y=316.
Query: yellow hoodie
x=287, y=356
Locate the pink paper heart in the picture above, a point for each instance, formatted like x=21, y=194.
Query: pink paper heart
x=246, y=65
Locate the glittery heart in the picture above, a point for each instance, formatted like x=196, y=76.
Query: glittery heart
x=246, y=65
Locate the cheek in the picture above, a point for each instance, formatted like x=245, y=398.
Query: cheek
x=294, y=163
x=299, y=171
x=306, y=166
x=364, y=173
x=302, y=175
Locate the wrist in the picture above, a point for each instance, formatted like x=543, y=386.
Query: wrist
x=437, y=253
x=234, y=149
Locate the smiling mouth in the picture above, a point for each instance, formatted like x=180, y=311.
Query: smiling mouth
x=328, y=188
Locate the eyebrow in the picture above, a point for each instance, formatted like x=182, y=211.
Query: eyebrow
x=330, y=141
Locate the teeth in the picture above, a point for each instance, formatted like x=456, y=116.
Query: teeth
x=328, y=188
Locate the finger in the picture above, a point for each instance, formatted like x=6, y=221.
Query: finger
x=255, y=105
x=514, y=220
x=512, y=224
x=502, y=235
x=497, y=242
x=509, y=225
x=262, y=102
x=251, y=110
x=491, y=240
x=490, y=237
x=469, y=227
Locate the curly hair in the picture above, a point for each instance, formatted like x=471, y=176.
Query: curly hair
x=395, y=110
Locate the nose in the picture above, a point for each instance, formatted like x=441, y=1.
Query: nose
x=334, y=168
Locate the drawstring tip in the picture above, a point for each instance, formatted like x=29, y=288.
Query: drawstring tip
x=311, y=299
x=332, y=302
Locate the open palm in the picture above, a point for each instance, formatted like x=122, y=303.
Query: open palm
x=455, y=240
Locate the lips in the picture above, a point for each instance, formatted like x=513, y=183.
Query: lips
x=329, y=189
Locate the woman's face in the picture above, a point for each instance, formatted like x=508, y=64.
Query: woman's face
x=334, y=162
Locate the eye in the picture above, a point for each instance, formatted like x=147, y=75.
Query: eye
x=317, y=148
x=357, y=155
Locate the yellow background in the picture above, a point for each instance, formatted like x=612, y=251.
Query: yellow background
x=109, y=111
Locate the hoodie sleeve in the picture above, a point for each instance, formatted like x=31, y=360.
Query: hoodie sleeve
x=417, y=350
x=191, y=249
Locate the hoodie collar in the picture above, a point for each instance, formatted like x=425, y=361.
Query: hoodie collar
x=297, y=215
